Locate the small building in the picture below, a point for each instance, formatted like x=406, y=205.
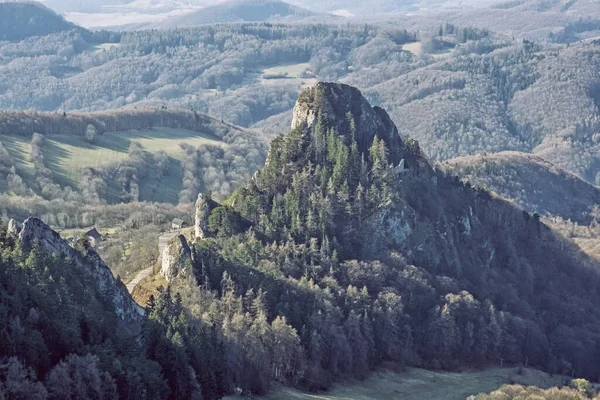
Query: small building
x=94, y=237
x=178, y=224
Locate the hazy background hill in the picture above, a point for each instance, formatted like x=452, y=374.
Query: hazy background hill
x=525, y=97
x=25, y=19
x=239, y=11
x=458, y=90
x=533, y=183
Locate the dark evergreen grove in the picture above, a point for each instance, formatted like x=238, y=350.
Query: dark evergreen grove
x=345, y=252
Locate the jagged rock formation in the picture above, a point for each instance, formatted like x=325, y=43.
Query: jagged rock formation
x=176, y=258
x=334, y=103
x=35, y=232
x=204, y=206
x=14, y=227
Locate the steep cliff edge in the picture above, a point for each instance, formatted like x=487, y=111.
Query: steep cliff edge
x=176, y=258
x=89, y=265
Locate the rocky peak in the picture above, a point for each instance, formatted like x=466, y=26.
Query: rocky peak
x=334, y=102
x=204, y=206
x=35, y=232
x=14, y=227
x=176, y=258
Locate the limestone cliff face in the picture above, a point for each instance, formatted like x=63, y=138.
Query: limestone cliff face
x=176, y=258
x=335, y=102
x=14, y=227
x=34, y=231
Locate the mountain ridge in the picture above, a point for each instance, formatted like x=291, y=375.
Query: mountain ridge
x=534, y=183
x=20, y=20
x=233, y=11
x=35, y=233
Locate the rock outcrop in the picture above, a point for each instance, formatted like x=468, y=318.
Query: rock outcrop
x=204, y=206
x=334, y=103
x=176, y=258
x=35, y=232
x=14, y=227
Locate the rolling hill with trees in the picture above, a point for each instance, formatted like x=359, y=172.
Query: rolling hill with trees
x=533, y=183
x=123, y=156
x=20, y=20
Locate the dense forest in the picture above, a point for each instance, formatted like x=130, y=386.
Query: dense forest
x=367, y=268
x=62, y=337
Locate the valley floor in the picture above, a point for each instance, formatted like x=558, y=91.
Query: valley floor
x=417, y=384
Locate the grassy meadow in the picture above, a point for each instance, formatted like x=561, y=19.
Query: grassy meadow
x=67, y=155
x=419, y=384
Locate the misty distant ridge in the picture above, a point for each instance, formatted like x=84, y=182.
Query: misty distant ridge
x=536, y=17
x=240, y=11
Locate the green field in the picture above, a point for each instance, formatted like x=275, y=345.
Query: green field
x=419, y=384
x=67, y=155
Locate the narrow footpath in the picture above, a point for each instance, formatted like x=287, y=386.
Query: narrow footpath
x=143, y=274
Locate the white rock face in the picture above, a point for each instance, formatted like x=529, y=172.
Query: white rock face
x=14, y=227
x=176, y=258
x=203, y=210
x=35, y=231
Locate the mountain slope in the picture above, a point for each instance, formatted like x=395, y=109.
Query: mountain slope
x=522, y=97
x=531, y=182
x=22, y=20
x=71, y=330
x=238, y=11
x=363, y=253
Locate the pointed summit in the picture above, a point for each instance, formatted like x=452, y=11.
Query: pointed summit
x=339, y=106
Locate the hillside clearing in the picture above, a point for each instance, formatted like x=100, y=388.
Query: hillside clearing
x=105, y=47
x=286, y=74
x=414, y=48
x=67, y=155
x=418, y=384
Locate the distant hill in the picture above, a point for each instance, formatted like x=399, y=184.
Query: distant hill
x=123, y=156
x=531, y=182
x=239, y=11
x=524, y=97
x=22, y=20
x=537, y=19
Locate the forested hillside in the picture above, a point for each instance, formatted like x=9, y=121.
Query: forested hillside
x=68, y=329
x=523, y=97
x=442, y=217
x=361, y=253
x=531, y=182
